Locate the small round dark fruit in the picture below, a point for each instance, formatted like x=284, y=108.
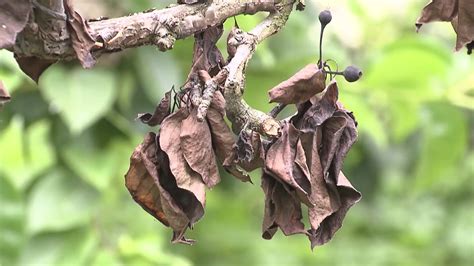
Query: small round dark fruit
x=325, y=17
x=352, y=73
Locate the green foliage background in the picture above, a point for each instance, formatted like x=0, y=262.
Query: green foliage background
x=65, y=146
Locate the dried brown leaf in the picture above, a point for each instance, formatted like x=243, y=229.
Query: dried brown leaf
x=282, y=209
x=300, y=87
x=186, y=177
x=13, y=17
x=280, y=163
x=223, y=139
x=206, y=55
x=34, y=66
x=152, y=187
x=464, y=25
x=348, y=197
x=321, y=110
x=82, y=41
x=459, y=12
x=162, y=110
x=196, y=144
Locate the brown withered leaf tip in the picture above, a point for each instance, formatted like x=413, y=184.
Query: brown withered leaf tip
x=33, y=66
x=304, y=166
x=13, y=17
x=162, y=110
x=82, y=41
x=300, y=87
x=459, y=12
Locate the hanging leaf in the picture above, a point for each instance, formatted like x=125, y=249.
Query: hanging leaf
x=162, y=110
x=196, y=143
x=82, y=41
x=458, y=12
x=33, y=66
x=186, y=177
x=300, y=87
x=304, y=166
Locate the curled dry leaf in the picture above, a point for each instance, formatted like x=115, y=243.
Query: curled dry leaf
x=186, y=177
x=34, y=66
x=82, y=41
x=282, y=209
x=305, y=164
x=459, y=12
x=196, y=144
x=223, y=139
x=153, y=187
x=206, y=55
x=13, y=17
x=162, y=110
x=300, y=87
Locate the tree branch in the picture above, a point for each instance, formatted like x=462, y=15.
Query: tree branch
x=155, y=27
x=238, y=111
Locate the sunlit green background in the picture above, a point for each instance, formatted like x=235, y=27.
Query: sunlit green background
x=65, y=147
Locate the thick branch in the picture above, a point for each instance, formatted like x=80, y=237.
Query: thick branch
x=155, y=27
x=238, y=111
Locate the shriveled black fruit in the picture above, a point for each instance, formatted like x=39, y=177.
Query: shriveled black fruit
x=325, y=17
x=352, y=73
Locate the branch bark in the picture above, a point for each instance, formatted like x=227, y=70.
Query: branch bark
x=154, y=27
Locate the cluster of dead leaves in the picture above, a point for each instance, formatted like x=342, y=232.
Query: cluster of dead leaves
x=461, y=15
x=304, y=166
x=170, y=171
x=14, y=16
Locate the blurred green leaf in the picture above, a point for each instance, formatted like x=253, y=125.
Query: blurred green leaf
x=368, y=117
x=144, y=250
x=444, y=143
x=59, y=202
x=410, y=69
x=105, y=258
x=80, y=96
x=26, y=153
x=12, y=220
x=10, y=74
x=97, y=165
x=70, y=248
x=158, y=72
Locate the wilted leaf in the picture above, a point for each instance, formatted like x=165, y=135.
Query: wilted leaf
x=300, y=87
x=223, y=139
x=13, y=17
x=162, y=110
x=33, y=66
x=186, y=177
x=281, y=163
x=282, y=209
x=304, y=166
x=248, y=151
x=143, y=182
x=458, y=12
x=196, y=144
x=82, y=41
x=206, y=55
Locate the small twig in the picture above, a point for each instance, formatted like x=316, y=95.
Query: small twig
x=277, y=109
